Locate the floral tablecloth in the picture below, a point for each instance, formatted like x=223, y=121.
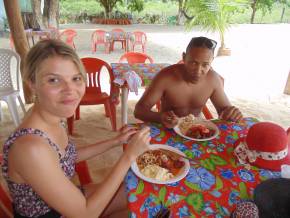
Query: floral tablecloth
x=146, y=71
x=214, y=184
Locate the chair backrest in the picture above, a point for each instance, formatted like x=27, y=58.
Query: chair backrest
x=6, y=57
x=68, y=36
x=99, y=36
x=118, y=30
x=6, y=210
x=94, y=68
x=135, y=57
x=119, y=34
x=139, y=37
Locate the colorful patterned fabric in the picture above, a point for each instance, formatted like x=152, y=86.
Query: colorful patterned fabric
x=215, y=182
x=146, y=71
x=25, y=200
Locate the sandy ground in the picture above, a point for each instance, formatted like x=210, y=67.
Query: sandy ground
x=255, y=76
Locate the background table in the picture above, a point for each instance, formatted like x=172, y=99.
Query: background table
x=146, y=72
x=214, y=184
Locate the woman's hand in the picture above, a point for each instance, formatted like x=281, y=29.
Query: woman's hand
x=138, y=144
x=126, y=133
x=169, y=119
x=231, y=113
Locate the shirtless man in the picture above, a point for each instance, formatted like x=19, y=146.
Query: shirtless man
x=185, y=88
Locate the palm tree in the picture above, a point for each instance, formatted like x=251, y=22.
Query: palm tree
x=212, y=16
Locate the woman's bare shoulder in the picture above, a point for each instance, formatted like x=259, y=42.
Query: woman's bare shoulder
x=29, y=145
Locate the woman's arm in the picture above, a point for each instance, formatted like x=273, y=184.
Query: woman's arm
x=38, y=165
x=89, y=151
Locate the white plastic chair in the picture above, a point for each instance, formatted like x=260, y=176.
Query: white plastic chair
x=7, y=92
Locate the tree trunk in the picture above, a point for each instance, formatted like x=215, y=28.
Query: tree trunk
x=179, y=12
x=282, y=14
x=254, y=8
x=19, y=37
x=36, y=9
x=45, y=16
x=53, y=15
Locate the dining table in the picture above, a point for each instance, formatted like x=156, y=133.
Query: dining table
x=146, y=71
x=214, y=184
x=119, y=36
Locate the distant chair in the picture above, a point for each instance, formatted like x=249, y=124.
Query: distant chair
x=118, y=35
x=94, y=95
x=99, y=37
x=135, y=57
x=139, y=38
x=68, y=36
x=7, y=91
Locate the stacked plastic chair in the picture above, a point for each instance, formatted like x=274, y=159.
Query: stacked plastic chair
x=99, y=37
x=7, y=91
x=139, y=38
x=68, y=36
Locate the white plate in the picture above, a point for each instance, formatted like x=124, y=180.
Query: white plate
x=206, y=123
x=182, y=173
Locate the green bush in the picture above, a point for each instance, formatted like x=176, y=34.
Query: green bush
x=158, y=12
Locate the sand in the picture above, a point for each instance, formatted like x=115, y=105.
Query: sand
x=255, y=76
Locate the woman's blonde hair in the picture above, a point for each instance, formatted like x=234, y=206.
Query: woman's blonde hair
x=46, y=49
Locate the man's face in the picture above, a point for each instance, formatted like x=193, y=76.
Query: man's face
x=197, y=63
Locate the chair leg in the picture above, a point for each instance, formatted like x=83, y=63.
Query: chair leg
x=21, y=104
x=207, y=114
x=78, y=116
x=107, y=110
x=113, y=116
x=70, y=124
x=0, y=112
x=12, y=106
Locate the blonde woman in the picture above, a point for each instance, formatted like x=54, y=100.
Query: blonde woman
x=39, y=158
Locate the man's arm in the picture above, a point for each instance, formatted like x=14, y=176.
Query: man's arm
x=150, y=97
x=221, y=102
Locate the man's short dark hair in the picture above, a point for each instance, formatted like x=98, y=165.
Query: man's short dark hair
x=201, y=41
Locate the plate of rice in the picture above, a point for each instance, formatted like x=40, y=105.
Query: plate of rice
x=161, y=167
x=196, y=129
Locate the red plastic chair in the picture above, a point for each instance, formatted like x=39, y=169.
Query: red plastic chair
x=68, y=37
x=139, y=38
x=6, y=210
x=99, y=37
x=135, y=57
x=94, y=95
x=206, y=112
x=120, y=38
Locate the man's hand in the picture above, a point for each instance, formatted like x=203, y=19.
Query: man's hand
x=169, y=119
x=231, y=113
x=125, y=133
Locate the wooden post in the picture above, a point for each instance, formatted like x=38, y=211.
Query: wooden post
x=287, y=86
x=19, y=37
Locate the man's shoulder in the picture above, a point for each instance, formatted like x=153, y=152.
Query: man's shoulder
x=172, y=71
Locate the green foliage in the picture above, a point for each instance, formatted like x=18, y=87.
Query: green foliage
x=271, y=17
x=156, y=11
x=213, y=15
x=265, y=5
x=72, y=7
x=136, y=5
